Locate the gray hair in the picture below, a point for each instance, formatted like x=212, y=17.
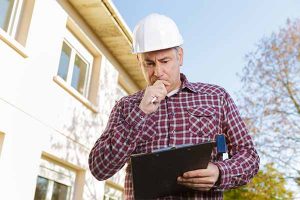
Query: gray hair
x=175, y=48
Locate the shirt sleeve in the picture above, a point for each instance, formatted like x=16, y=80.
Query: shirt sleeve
x=243, y=162
x=119, y=139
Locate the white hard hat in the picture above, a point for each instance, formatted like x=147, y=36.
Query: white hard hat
x=155, y=32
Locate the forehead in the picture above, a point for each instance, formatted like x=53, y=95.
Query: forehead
x=160, y=54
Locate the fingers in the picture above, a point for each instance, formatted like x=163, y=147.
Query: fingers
x=160, y=94
x=203, y=180
x=158, y=97
x=164, y=82
x=211, y=170
x=197, y=173
x=159, y=87
x=199, y=187
x=157, y=91
x=202, y=184
x=200, y=179
x=153, y=95
x=154, y=100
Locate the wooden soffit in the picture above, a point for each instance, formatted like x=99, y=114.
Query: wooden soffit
x=108, y=25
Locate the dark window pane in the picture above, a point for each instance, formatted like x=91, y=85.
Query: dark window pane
x=60, y=191
x=41, y=188
x=5, y=13
x=64, y=61
x=79, y=74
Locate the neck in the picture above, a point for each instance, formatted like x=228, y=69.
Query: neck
x=178, y=86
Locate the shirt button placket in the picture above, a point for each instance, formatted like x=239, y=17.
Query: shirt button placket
x=172, y=135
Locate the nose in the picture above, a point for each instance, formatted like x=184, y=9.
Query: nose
x=158, y=70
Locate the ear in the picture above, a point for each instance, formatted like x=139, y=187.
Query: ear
x=180, y=56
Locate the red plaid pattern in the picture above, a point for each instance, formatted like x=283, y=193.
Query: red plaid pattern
x=197, y=113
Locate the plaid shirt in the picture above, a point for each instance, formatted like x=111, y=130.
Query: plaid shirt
x=197, y=113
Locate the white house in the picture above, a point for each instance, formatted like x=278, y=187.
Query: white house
x=63, y=64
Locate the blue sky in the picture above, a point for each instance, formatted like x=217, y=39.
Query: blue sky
x=217, y=34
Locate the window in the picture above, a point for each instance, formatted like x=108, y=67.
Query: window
x=41, y=188
x=54, y=181
x=15, y=18
x=75, y=65
x=6, y=7
x=49, y=188
x=60, y=191
x=74, y=69
x=79, y=77
x=10, y=12
x=64, y=61
x=78, y=70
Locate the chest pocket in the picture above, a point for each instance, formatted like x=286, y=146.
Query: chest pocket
x=202, y=121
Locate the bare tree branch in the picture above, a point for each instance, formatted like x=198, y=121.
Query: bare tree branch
x=271, y=93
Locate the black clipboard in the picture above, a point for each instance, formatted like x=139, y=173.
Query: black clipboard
x=155, y=174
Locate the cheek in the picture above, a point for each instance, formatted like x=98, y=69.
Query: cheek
x=174, y=73
x=150, y=72
x=173, y=70
x=149, y=75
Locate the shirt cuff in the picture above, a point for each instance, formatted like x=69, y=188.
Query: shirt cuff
x=224, y=180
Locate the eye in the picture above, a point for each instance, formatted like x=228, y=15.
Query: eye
x=149, y=64
x=165, y=61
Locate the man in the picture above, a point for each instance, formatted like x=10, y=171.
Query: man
x=173, y=111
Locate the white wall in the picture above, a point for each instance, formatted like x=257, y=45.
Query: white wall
x=38, y=116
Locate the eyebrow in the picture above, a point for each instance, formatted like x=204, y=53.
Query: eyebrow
x=164, y=58
x=147, y=60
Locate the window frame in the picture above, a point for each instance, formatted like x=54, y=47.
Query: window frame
x=50, y=188
x=75, y=38
x=15, y=36
x=2, y=136
x=59, y=173
x=77, y=49
x=12, y=21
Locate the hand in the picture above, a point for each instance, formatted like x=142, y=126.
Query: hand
x=201, y=179
x=157, y=90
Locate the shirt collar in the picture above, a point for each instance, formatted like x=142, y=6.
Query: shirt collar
x=187, y=84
